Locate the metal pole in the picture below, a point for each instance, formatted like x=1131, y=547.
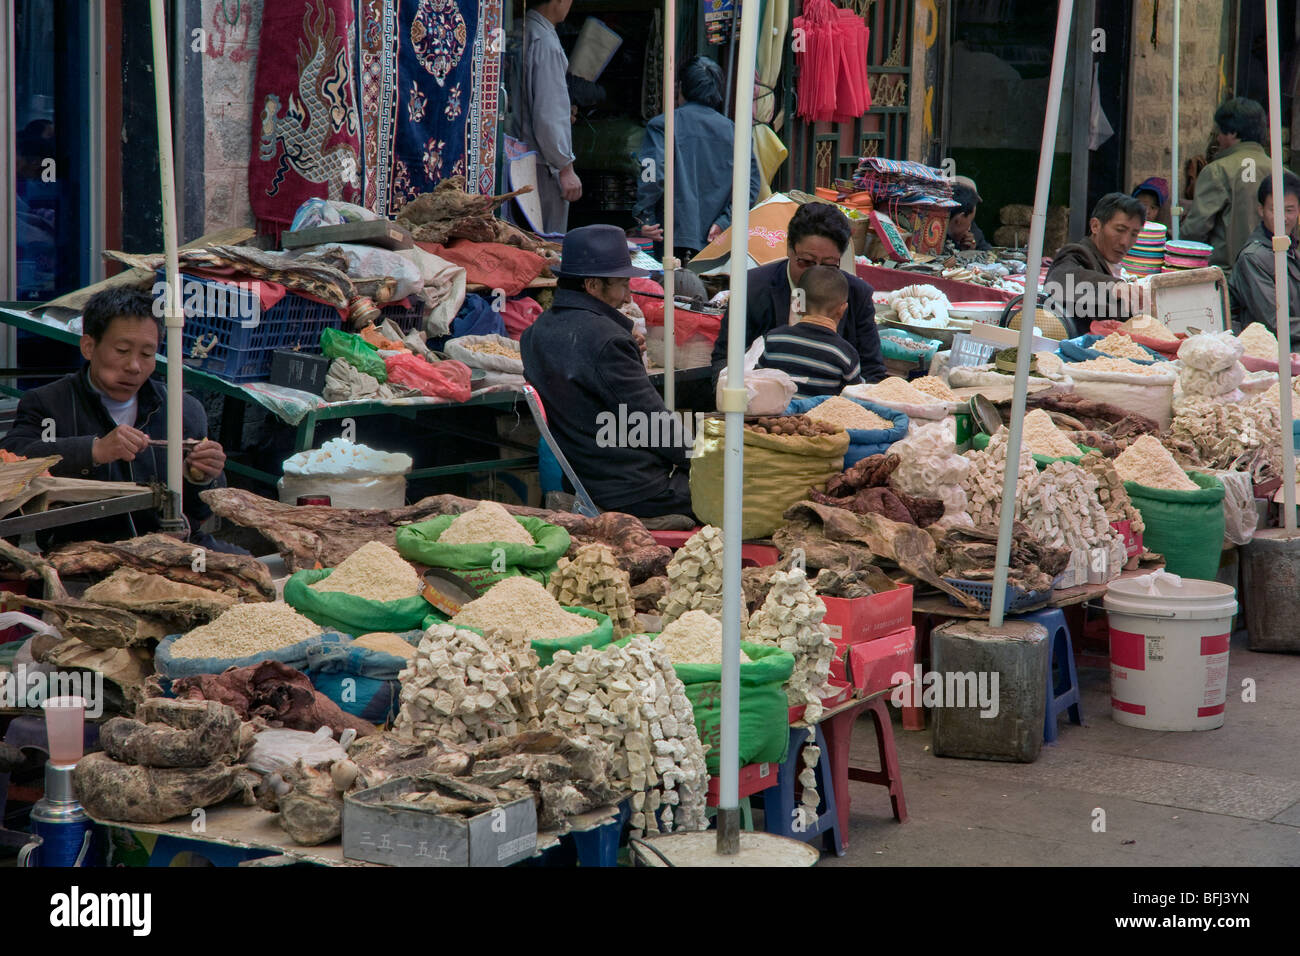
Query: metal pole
x=733, y=404
x=1028, y=309
x=670, y=198
x=175, y=320
x=1176, y=189
x=1281, y=242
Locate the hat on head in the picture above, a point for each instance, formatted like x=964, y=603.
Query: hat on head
x=969, y=184
x=1154, y=184
x=598, y=252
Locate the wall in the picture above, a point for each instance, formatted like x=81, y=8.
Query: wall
x=1203, y=71
x=229, y=68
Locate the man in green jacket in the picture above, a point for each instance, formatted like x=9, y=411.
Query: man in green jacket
x=1252, y=287
x=1224, y=212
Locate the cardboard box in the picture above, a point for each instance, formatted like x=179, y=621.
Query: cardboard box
x=871, y=666
x=853, y=620
x=401, y=836
x=301, y=370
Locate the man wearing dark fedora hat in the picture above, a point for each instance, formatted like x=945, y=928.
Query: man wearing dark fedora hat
x=586, y=365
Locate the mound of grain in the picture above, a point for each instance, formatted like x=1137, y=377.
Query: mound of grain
x=847, y=414
x=375, y=572
x=523, y=604
x=1121, y=346
x=694, y=638
x=935, y=387
x=1043, y=437
x=1149, y=463
x=895, y=391
x=1149, y=327
x=1104, y=364
x=1258, y=341
x=247, y=629
x=1273, y=394
x=387, y=642
x=489, y=523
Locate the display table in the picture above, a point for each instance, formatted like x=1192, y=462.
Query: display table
x=437, y=415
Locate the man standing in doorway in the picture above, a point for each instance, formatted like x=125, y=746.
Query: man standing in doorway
x=547, y=125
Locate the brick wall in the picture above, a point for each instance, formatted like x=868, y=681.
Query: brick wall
x=229, y=68
x=1203, y=29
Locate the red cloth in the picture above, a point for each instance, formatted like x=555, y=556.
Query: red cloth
x=306, y=143
x=491, y=264
x=518, y=314
x=831, y=47
x=686, y=324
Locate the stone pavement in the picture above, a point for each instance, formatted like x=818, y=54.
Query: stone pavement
x=1229, y=796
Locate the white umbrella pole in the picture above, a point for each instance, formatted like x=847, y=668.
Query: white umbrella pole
x=670, y=194
x=1175, y=189
x=1028, y=309
x=175, y=320
x=733, y=404
x=1281, y=242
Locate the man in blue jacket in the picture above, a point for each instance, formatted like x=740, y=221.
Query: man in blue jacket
x=586, y=365
x=702, y=174
x=101, y=419
x=818, y=235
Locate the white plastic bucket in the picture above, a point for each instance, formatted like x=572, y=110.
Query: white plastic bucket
x=1169, y=651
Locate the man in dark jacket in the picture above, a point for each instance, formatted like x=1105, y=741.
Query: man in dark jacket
x=1252, y=287
x=582, y=358
x=100, y=420
x=818, y=235
x=1085, y=280
x=703, y=135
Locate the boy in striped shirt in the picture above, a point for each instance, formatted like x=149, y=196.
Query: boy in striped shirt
x=810, y=350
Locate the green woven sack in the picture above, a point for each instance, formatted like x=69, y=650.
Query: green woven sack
x=483, y=565
x=347, y=613
x=980, y=441
x=1185, y=526
x=764, y=710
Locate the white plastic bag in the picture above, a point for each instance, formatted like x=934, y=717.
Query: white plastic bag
x=1151, y=395
x=1240, y=517
x=280, y=749
x=1211, y=351
x=462, y=349
x=769, y=389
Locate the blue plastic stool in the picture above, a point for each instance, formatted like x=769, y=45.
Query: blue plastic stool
x=599, y=847
x=1062, y=691
x=779, y=804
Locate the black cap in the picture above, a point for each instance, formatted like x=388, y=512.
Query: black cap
x=598, y=252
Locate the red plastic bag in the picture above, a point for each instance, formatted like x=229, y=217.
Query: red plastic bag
x=652, y=305
x=448, y=379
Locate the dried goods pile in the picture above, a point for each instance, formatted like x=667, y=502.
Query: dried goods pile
x=1149, y=327
x=920, y=305
x=847, y=414
x=1273, y=394
x=695, y=577
x=1043, y=437
x=791, y=618
x=1149, y=463
x=393, y=644
x=791, y=425
x=694, y=638
x=1110, y=491
x=1258, y=342
x=865, y=488
x=935, y=387
x=1244, y=436
x=247, y=629
x=971, y=554
x=895, y=391
x=487, y=346
x=1119, y=345
x=1105, y=364
x=1211, y=367
x=593, y=579
x=487, y=523
x=522, y=604
x=462, y=686
x=983, y=484
x=929, y=465
x=375, y=572
x=1062, y=508
x=629, y=699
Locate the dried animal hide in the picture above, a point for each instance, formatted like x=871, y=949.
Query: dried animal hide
x=132, y=794
x=175, y=733
x=239, y=575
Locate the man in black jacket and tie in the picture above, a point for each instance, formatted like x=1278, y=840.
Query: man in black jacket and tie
x=818, y=235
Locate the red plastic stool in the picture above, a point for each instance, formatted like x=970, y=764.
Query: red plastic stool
x=838, y=729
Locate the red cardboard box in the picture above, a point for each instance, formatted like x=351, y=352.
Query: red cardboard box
x=854, y=620
x=873, y=664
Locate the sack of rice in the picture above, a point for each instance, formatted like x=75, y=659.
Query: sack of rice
x=373, y=589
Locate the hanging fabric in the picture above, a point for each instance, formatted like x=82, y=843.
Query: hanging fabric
x=831, y=50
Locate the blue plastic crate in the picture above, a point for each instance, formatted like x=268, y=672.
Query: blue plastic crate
x=244, y=346
x=982, y=591
x=407, y=318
